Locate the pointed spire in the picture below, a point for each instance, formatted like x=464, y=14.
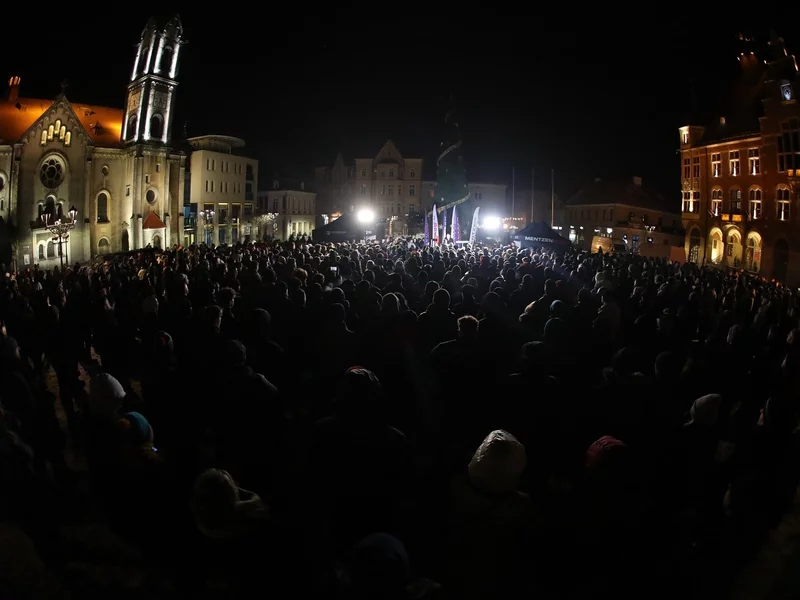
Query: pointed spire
x=64, y=86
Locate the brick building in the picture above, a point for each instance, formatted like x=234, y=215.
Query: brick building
x=739, y=176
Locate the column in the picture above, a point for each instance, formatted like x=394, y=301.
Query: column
x=167, y=244
x=139, y=233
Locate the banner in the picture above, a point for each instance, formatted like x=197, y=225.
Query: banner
x=474, y=229
x=435, y=232
x=456, y=226
x=444, y=227
x=426, y=236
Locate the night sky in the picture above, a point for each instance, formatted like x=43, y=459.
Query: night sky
x=584, y=99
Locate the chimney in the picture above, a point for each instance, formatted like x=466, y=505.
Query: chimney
x=637, y=181
x=722, y=121
x=13, y=89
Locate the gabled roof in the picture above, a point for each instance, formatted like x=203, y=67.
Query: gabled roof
x=389, y=154
x=102, y=125
x=152, y=221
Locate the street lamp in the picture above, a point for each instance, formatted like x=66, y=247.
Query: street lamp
x=60, y=229
x=365, y=216
x=208, y=223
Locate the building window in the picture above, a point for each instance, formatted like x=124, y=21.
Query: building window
x=734, y=163
x=783, y=202
x=51, y=249
x=696, y=166
x=103, y=246
x=156, y=126
x=755, y=203
x=42, y=142
x=695, y=205
x=685, y=137
x=789, y=146
x=41, y=251
x=412, y=189
x=363, y=190
x=363, y=172
x=736, y=201
x=102, y=207
x=716, y=202
x=147, y=178
x=687, y=202
x=391, y=190
x=383, y=190
x=412, y=173
x=383, y=173
x=399, y=190
x=51, y=173
x=687, y=168
x=753, y=161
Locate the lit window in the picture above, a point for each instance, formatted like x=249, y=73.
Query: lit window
x=68, y=138
x=687, y=202
x=50, y=133
x=716, y=165
x=696, y=166
x=789, y=146
x=695, y=204
x=755, y=203
x=412, y=173
x=736, y=201
x=43, y=141
x=412, y=188
x=783, y=203
x=753, y=162
x=734, y=163
x=62, y=132
x=716, y=202
x=687, y=168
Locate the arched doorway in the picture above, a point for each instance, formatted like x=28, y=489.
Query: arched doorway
x=733, y=248
x=156, y=241
x=716, y=251
x=780, y=261
x=694, y=245
x=103, y=247
x=752, y=255
x=125, y=244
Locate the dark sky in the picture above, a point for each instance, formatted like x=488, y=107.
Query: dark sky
x=598, y=97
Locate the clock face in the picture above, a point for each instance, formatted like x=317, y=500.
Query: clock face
x=786, y=91
x=134, y=101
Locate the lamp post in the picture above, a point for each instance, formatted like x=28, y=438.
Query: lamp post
x=60, y=229
x=365, y=216
x=208, y=222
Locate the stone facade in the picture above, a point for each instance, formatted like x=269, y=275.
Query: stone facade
x=114, y=166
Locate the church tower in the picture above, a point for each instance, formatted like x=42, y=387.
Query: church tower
x=151, y=92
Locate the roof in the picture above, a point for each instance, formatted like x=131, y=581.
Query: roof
x=102, y=124
x=619, y=192
x=218, y=143
x=152, y=221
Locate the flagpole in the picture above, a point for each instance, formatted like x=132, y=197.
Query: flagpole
x=533, y=190
x=552, y=197
x=513, y=194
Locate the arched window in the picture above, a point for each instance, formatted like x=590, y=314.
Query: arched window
x=60, y=210
x=41, y=251
x=156, y=126
x=102, y=208
x=103, y=247
x=50, y=133
x=43, y=139
x=51, y=249
x=736, y=201
x=165, y=62
x=716, y=201
x=783, y=203
x=125, y=243
x=754, y=208
x=50, y=205
x=41, y=209
x=132, y=122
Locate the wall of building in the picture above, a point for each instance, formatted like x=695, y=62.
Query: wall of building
x=227, y=184
x=296, y=210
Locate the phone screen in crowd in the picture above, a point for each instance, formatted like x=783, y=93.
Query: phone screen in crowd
x=334, y=270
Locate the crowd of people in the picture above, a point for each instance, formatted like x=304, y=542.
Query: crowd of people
x=388, y=420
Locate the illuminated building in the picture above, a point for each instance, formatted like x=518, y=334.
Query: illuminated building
x=223, y=187
x=739, y=175
x=115, y=166
x=390, y=184
x=294, y=205
x=626, y=212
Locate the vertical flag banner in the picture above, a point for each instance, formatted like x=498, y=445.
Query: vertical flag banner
x=426, y=235
x=444, y=227
x=474, y=229
x=435, y=232
x=456, y=226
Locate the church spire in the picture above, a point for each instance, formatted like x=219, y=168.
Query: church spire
x=148, y=112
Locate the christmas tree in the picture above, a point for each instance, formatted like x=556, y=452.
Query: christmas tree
x=451, y=176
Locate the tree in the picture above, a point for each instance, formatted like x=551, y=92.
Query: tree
x=266, y=223
x=451, y=175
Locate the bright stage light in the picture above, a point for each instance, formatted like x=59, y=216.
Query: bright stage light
x=365, y=215
x=492, y=223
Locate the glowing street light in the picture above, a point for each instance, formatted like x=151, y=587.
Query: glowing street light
x=492, y=223
x=365, y=216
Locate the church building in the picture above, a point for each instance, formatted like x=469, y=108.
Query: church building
x=114, y=166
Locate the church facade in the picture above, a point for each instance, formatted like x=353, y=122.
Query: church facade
x=114, y=166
